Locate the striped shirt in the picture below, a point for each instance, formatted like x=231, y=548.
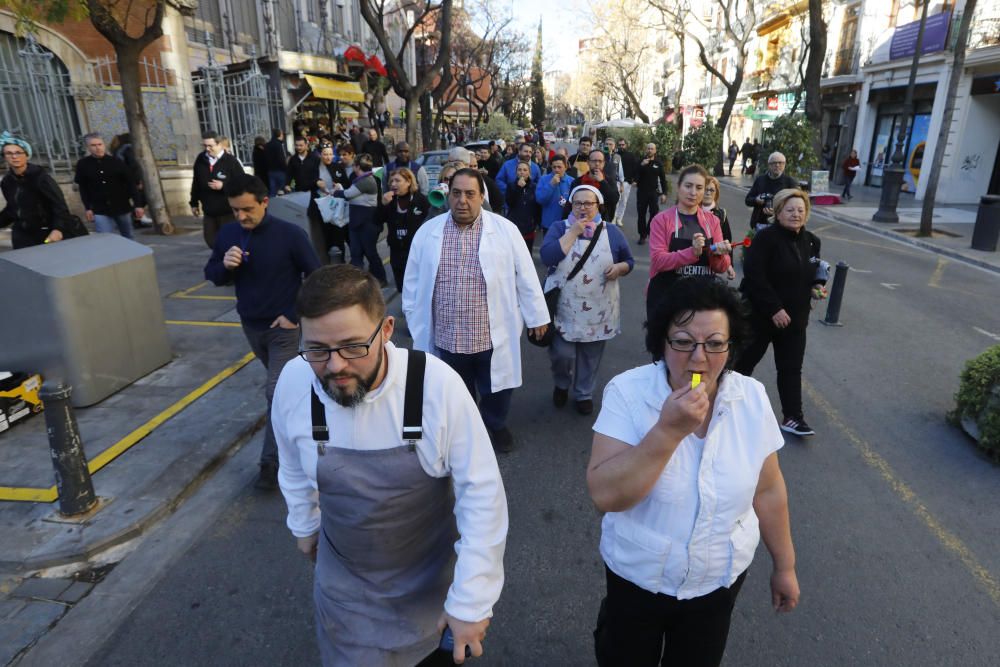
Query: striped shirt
x=461, y=314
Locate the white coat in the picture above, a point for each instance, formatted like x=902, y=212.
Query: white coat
x=513, y=294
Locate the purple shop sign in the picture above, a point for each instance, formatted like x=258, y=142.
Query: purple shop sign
x=904, y=40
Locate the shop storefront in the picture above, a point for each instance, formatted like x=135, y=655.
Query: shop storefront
x=888, y=125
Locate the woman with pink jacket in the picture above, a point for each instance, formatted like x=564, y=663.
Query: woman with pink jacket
x=684, y=240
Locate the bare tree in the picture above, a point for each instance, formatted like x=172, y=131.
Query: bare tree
x=423, y=12
x=624, y=50
x=814, y=71
x=957, y=68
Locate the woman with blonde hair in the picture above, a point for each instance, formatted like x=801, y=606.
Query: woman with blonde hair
x=781, y=275
x=710, y=203
x=404, y=208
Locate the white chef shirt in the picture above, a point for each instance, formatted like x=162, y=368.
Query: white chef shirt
x=454, y=443
x=696, y=531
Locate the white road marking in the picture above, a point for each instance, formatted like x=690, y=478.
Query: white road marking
x=860, y=270
x=891, y=286
x=987, y=333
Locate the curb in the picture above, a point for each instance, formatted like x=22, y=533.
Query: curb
x=141, y=524
x=899, y=238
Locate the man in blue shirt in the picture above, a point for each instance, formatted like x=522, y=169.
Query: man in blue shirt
x=266, y=259
x=553, y=192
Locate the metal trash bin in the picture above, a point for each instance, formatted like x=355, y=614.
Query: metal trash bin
x=85, y=310
x=294, y=208
x=986, y=233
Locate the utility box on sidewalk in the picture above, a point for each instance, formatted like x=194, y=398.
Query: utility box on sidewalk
x=986, y=233
x=294, y=208
x=86, y=310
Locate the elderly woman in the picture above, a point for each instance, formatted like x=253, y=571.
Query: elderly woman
x=684, y=240
x=364, y=196
x=710, y=203
x=585, y=257
x=685, y=465
x=781, y=274
x=404, y=209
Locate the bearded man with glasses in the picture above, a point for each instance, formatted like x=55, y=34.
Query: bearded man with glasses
x=391, y=484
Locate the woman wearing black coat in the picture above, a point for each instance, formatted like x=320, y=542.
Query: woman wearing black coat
x=326, y=174
x=522, y=208
x=404, y=208
x=781, y=276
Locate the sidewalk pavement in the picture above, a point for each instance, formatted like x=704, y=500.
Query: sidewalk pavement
x=953, y=224
x=156, y=441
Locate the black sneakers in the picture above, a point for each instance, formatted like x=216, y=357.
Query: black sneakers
x=797, y=426
x=559, y=397
x=268, y=479
x=585, y=407
x=502, y=439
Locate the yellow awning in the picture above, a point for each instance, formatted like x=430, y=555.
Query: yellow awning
x=330, y=89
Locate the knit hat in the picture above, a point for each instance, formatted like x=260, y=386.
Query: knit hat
x=8, y=138
x=600, y=197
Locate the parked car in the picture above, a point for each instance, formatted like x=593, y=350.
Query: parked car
x=549, y=136
x=485, y=143
x=432, y=161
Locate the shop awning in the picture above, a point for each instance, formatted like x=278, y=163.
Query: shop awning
x=330, y=89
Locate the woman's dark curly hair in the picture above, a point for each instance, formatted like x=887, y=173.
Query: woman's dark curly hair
x=691, y=295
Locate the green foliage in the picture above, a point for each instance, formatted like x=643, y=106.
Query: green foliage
x=793, y=137
x=497, y=127
x=702, y=146
x=978, y=399
x=31, y=13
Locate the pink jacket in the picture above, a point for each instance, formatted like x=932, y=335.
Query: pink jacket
x=663, y=226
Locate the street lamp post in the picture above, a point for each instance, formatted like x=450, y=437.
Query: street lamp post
x=892, y=176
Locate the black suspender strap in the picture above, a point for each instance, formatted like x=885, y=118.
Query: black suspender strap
x=413, y=403
x=321, y=434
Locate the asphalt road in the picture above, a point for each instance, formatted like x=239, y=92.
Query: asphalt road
x=893, y=510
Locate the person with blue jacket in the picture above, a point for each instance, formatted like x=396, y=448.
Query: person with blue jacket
x=552, y=192
x=508, y=172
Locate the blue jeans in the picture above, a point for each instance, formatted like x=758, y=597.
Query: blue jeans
x=364, y=239
x=575, y=364
x=109, y=224
x=474, y=369
x=275, y=182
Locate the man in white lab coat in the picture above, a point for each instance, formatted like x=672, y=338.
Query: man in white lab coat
x=470, y=288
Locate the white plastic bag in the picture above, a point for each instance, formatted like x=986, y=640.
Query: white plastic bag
x=333, y=210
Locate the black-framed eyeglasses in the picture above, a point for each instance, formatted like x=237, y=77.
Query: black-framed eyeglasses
x=710, y=346
x=352, y=351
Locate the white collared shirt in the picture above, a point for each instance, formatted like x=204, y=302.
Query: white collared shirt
x=454, y=443
x=696, y=531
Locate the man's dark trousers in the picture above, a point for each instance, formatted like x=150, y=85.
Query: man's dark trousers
x=274, y=347
x=648, y=205
x=474, y=370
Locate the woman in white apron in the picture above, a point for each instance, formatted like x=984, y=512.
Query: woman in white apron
x=585, y=257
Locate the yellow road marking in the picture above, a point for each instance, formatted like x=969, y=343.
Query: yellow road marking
x=195, y=323
x=29, y=494
x=189, y=293
x=822, y=229
x=888, y=246
x=949, y=540
x=935, y=280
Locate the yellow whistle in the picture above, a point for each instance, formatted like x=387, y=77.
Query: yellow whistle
x=695, y=379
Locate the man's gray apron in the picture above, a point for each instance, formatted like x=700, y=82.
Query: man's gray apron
x=386, y=555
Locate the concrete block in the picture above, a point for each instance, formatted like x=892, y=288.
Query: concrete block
x=25, y=627
x=76, y=592
x=36, y=587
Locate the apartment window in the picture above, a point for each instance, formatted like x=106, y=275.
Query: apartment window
x=848, y=36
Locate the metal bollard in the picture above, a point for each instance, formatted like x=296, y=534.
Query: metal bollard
x=76, y=491
x=986, y=231
x=836, y=296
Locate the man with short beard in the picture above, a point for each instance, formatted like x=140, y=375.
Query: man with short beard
x=387, y=472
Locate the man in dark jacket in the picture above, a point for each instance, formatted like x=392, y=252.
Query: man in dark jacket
x=765, y=186
x=403, y=160
x=301, y=167
x=596, y=178
x=578, y=163
x=495, y=160
x=36, y=209
x=108, y=189
x=630, y=163
x=266, y=259
x=651, y=190
x=375, y=148
x=211, y=169
x=747, y=152
x=276, y=156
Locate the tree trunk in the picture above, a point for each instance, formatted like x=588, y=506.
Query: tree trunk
x=678, y=116
x=732, y=92
x=412, y=105
x=427, y=130
x=135, y=116
x=934, y=175
x=814, y=72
